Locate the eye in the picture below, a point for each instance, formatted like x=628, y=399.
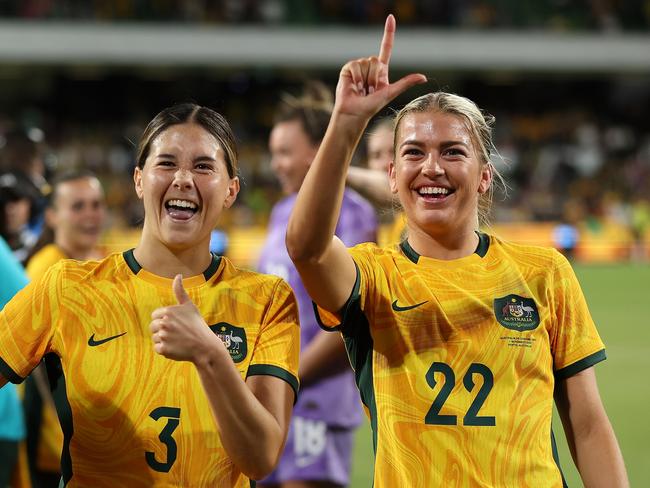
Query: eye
x=204, y=167
x=165, y=163
x=454, y=151
x=412, y=151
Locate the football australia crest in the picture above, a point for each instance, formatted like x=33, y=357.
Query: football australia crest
x=234, y=338
x=516, y=313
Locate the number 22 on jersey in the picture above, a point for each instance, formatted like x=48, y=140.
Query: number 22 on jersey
x=434, y=417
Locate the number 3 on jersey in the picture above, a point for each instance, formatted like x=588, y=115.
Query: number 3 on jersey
x=172, y=414
x=434, y=417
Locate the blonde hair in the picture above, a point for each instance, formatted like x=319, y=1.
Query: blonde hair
x=479, y=125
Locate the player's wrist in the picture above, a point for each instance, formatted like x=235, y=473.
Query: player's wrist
x=209, y=354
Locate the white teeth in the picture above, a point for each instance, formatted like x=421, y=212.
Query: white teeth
x=182, y=204
x=433, y=190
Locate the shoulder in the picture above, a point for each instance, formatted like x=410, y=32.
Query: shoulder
x=371, y=252
x=252, y=282
x=283, y=207
x=43, y=260
x=111, y=268
x=539, y=257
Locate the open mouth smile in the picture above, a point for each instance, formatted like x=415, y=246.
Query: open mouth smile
x=179, y=209
x=434, y=193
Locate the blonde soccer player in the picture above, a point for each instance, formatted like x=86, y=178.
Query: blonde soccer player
x=459, y=340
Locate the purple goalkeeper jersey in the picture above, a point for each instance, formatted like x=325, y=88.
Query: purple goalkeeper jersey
x=334, y=399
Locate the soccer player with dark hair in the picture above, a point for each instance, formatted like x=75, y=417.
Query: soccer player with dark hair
x=208, y=404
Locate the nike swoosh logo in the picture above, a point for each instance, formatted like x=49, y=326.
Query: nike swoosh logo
x=397, y=308
x=92, y=342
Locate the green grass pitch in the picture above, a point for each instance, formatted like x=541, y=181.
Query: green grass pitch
x=619, y=299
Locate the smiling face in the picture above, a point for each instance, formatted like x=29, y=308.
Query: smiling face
x=184, y=185
x=291, y=154
x=78, y=212
x=437, y=173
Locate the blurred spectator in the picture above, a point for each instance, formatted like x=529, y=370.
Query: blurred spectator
x=640, y=229
x=73, y=222
x=19, y=200
x=372, y=181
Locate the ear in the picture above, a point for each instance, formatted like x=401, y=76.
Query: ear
x=485, y=180
x=137, y=179
x=233, y=190
x=392, y=177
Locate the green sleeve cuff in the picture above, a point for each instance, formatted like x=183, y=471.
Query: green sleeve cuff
x=270, y=370
x=345, y=310
x=582, y=364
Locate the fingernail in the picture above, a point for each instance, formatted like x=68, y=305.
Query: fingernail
x=371, y=90
x=360, y=87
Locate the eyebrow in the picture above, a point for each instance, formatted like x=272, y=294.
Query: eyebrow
x=443, y=144
x=199, y=159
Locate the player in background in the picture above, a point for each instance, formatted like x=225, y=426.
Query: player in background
x=459, y=340
x=74, y=219
x=175, y=368
x=373, y=183
x=319, y=445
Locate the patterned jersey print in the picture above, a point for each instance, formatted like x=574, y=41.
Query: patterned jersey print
x=456, y=361
x=132, y=417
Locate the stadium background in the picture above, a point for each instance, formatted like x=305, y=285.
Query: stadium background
x=568, y=82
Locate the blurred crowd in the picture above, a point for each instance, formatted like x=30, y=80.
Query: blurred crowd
x=572, y=163
x=553, y=15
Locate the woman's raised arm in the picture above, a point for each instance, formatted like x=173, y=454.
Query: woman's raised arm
x=324, y=264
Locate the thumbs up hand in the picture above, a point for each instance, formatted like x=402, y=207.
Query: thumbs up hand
x=179, y=331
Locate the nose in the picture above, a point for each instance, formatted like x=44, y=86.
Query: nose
x=183, y=179
x=432, y=166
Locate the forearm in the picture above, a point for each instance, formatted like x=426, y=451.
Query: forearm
x=320, y=196
x=589, y=432
x=324, y=356
x=598, y=457
x=372, y=184
x=252, y=437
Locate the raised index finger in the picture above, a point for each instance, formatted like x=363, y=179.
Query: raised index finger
x=387, y=41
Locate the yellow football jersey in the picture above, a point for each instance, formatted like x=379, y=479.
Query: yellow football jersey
x=46, y=451
x=131, y=417
x=456, y=361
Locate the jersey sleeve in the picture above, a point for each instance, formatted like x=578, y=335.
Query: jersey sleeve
x=347, y=320
x=575, y=344
x=278, y=344
x=27, y=325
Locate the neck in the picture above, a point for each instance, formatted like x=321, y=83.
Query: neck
x=157, y=258
x=454, y=245
x=75, y=252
